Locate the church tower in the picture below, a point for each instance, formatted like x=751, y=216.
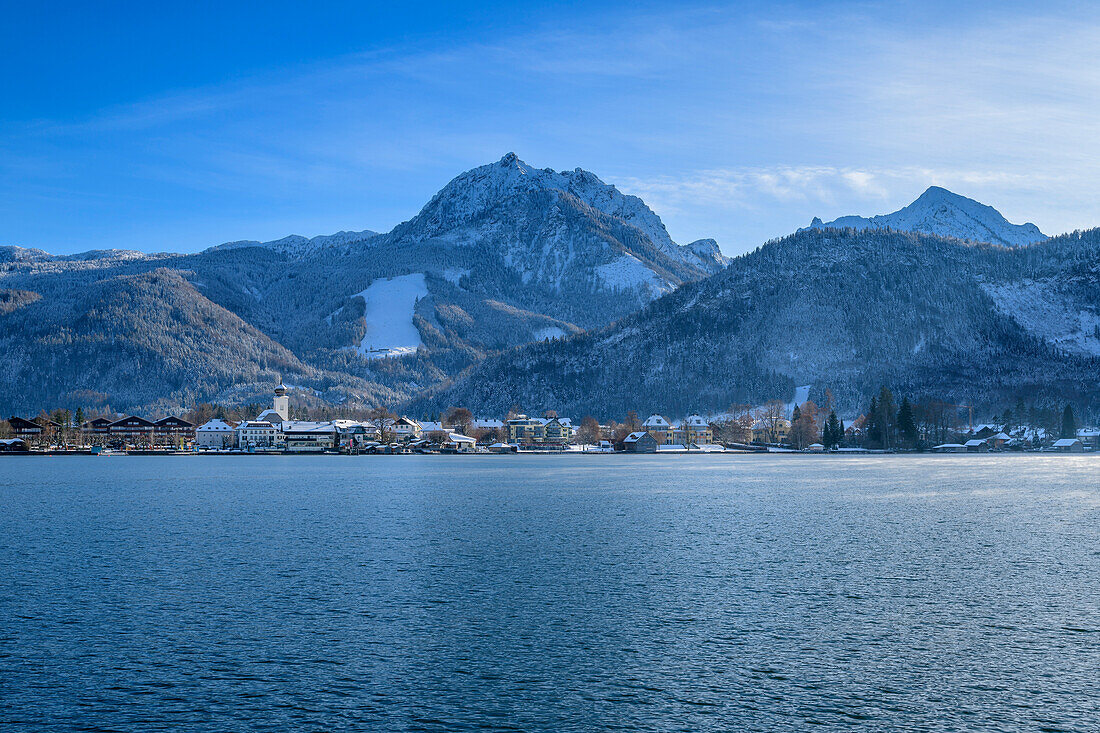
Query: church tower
x=282, y=402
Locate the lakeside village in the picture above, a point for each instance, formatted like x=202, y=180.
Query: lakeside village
x=775, y=427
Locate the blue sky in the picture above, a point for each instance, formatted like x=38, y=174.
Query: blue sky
x=137, y=126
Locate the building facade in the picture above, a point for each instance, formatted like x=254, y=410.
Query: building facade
x=659, y=428
x=257, y=434
x=693, y=429
x=217, y=435
x=539, y=432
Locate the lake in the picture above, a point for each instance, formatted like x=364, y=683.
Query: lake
x=550, y=593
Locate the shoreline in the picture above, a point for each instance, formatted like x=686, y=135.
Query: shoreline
x=729, y=452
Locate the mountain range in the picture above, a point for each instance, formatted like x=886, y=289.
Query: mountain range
x=840, y=310
x=516, y=285
x=503, y=255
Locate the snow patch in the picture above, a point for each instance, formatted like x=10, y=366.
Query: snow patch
x=548, y=332
x=453, y=275
x=801, y=395
x=390, y=305
x=1044, y=312
x=628, y=272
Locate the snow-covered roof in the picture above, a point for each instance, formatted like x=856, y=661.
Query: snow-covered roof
x=431, y=426
x=655, y=421
x=974, y=443
x=1066, y=442
x=948, y=445
x=358, y=428
x=255, y=424
x=488, y=424
x=1002, y=436
x=460, y=438
x=547, y=420
x=308, y=426
x=215, y=426
x=1088, y=433
x=270, y=416
x=345, y=423
x=634, y=437
x=694, y=421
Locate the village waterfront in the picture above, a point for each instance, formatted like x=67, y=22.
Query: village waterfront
x=468, y=592
x=776, y=427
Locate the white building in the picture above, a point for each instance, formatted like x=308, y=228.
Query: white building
x=305, y=436
x=355, y=434
x=406, y=429
x=280, y=408
x=257, y=434
x=216, y=434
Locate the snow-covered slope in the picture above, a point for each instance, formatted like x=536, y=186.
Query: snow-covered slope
x=389, y=309
x=939, y=211
x=1048, y=310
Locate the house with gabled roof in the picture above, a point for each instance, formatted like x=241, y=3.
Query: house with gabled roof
x=693, y=429
x=660, y=428
x=1069, y=445
x=132, y=429
x=217, y=434
x=640, y=442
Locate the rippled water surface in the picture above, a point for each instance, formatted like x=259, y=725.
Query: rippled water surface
x=542, y=593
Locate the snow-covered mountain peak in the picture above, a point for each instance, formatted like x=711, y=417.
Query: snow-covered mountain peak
x=942, y=212
x=512, y=190
x=511, y=160
x=708, y=252
x=934, y=194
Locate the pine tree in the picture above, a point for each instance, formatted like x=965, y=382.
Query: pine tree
x=870, y=424
x=887, y=418
x=1069, y=424
x=78, y=423
x=834, y=431
x=907, y=424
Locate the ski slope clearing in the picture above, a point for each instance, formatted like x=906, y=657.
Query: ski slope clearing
x=390, y=304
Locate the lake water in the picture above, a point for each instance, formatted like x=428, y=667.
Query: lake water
x=550, y=593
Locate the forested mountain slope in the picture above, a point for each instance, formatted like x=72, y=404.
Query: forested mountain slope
x=505, y=254
x=845, y=310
